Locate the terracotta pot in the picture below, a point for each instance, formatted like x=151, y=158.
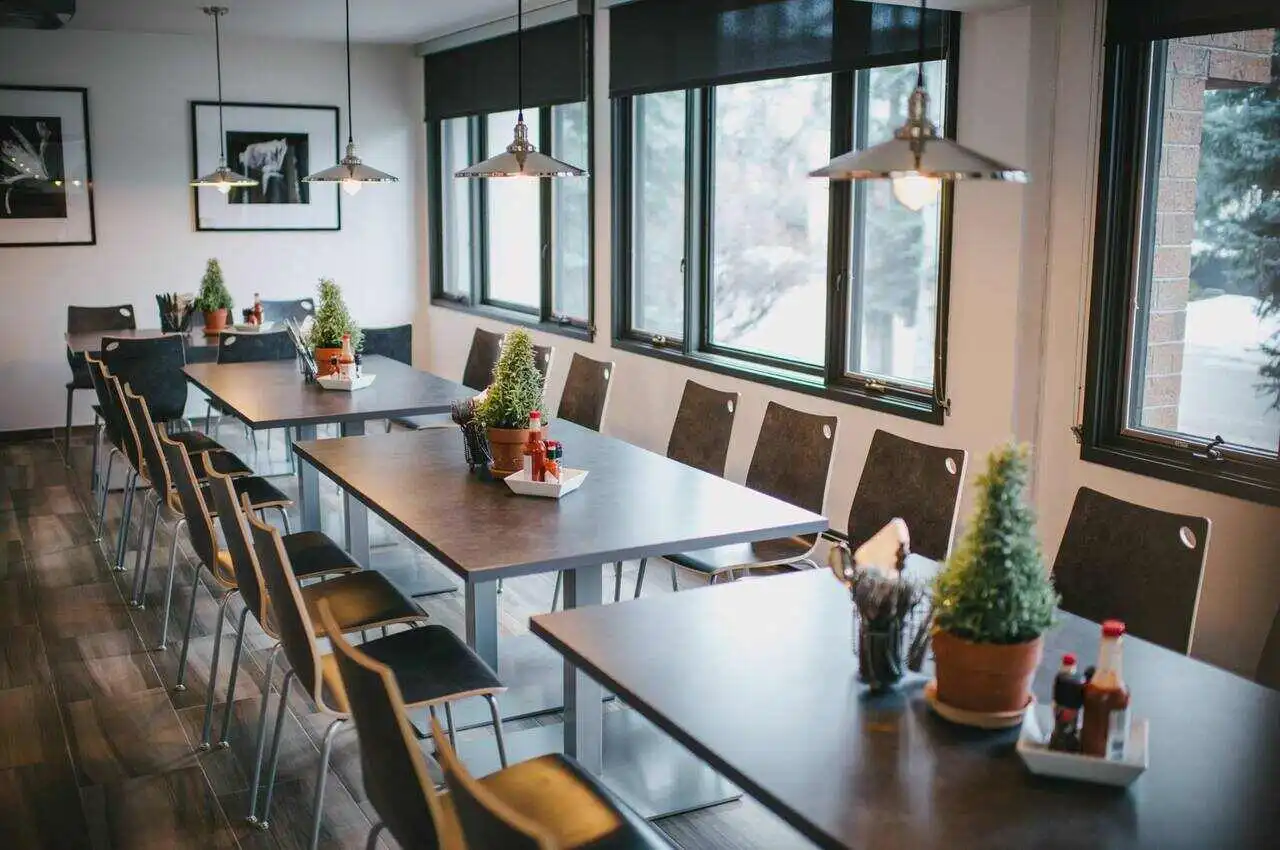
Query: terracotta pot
x=323, y=366
x=507, y=447
x=985, y=677
x=215, y=321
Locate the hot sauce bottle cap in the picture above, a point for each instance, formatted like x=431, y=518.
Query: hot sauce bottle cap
x=1069, y=660
x=1112, y=628
x=535, y=416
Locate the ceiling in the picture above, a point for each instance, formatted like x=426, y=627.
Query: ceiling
x=382, y=21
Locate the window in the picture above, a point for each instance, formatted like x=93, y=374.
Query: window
x=530, y=258
x=1184, y=375
x=830, y=288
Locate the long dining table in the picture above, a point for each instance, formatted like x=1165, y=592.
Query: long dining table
x=273, y=394
x=633, y=504
x=763, y=686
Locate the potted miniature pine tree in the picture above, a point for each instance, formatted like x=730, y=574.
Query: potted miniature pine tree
x=331, y=322
x=994, y=600
x=504, y=408
x=214, y=300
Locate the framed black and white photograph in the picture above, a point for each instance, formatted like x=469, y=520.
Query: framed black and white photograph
x=46, y=179
x=277, y=145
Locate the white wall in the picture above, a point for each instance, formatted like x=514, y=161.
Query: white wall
x=1020, y=277
x=139, y=90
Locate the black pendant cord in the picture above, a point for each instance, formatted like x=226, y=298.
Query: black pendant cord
x=350, y=121
x=924, y=12
x=520, y=61
x=217, y=47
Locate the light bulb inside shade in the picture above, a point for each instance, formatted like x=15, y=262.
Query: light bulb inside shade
x=224, y=188
x=915, y=192
x=351, y=187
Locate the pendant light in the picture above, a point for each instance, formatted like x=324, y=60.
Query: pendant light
x=521, y=158
x=221, y=178
x=350, y=173
x=917, y=159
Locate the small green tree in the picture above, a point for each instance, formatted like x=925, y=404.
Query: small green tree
x=332, y=319
x=213, y=292
x=516, y=390
x=995, y=588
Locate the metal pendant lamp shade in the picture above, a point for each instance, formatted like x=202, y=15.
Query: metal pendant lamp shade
x=350, y=173
x=521, y=158
x=918, y=158
x=221, y=178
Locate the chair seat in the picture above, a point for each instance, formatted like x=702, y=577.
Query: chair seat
x=431, y=664
x=226, y=463
x=765, y=553
x=562, y=797
x=195, y=442
x=262, y=493
x=312, y=553
x=362, y=600
x=422, y=423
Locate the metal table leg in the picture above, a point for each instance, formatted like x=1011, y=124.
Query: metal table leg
x=308, y=485
x=355, y=514
x=482, y=621
x=583, y=716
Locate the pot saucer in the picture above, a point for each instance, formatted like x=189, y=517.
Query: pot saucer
x=979, y=719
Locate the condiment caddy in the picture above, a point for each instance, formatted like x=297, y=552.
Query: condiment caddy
x=1033, y=748
x=544, y=473
x=348, y=373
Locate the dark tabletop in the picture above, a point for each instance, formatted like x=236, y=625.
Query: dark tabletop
x=200, y=348
x=758, y=679
x=633, y=503
x=274, y=395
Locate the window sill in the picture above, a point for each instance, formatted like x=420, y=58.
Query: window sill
x=1251, y=482
x=513, y=317
x=920, y=408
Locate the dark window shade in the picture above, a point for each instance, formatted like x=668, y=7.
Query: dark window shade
x=1132, y=21
x=479, y=78
x=665, y=45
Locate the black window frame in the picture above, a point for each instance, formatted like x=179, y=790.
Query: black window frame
x=543, y=317
x=1123, y=221
x=831, y=379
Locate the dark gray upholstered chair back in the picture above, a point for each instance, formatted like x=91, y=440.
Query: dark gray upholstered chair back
x=194, y=509
x=483, y=356
x=1132, y=563
x=392, y=766
x=1269, y=664
x=915, y=481
x=140, y=420
x=703, y=428
x=255, y=347
x=235, y=531
x=485, y=819
x=85, y=319
x=111, y=417
x=792, y=458
x=287, y=607
x=153, y=368
x=297, y=310
x=394, y=343
x=586, y=392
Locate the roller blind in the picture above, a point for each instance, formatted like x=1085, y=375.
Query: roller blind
x=1130, y=21
x=664, y=45
x=479, y=78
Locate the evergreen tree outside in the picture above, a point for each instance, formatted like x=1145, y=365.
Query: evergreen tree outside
x=994, y=588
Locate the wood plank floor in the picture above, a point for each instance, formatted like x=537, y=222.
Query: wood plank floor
x=97, y=750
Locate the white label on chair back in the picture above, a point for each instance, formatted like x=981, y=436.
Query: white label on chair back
x=228, y=339
x=606, y=374
x=112, y=346
x=1187, y=536
x=126, y=312
x=308, y=305
x=729, y=404
x=951, y=465
x=826, y=431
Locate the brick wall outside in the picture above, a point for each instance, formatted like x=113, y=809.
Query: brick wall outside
x=1194, y=64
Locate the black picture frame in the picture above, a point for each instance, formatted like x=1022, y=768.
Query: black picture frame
x=321, y=156
x=84, y=174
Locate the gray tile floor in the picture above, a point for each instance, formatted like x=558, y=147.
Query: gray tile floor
x=97, y=751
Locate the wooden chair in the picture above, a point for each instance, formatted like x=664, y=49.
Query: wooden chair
x=121, y=317
x=699, y=438
x=586, y=392
x=1269, y=664
x=916, y=482
x=1133, y=563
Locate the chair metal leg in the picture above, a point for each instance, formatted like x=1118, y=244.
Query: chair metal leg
x=106, y=489
x=211, y=685
x=617, y=581
x=499, y=585
x=223, y=739
x=497, y=728
x=644, y=562
x=66, y=442
x=260, y=747
x=322, y=776
x=284, y=518
x=186, y=637
x=281, y=713
x=555, y=594
x=126, y=521
x=377, y=827
x=97, y=448
x=168, y=590
x=448, y=720
x=208, y=417
x=143, y=560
